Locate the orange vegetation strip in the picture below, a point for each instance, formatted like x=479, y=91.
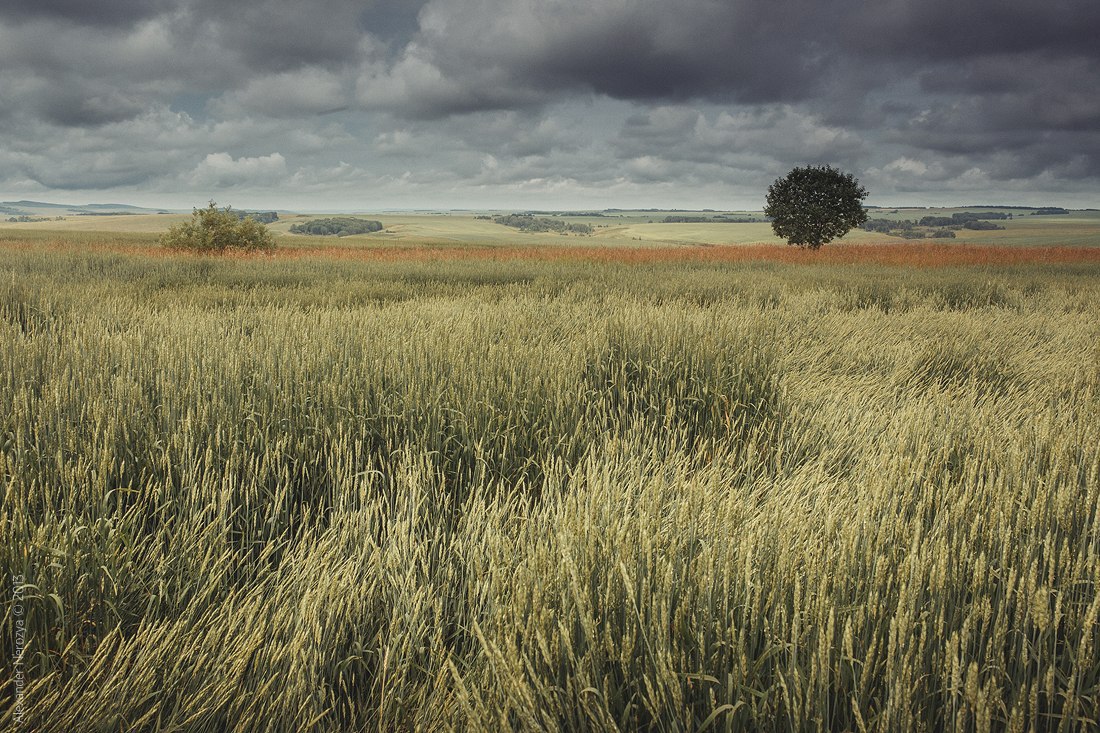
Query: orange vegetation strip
x=902, y=255
x=891, y=254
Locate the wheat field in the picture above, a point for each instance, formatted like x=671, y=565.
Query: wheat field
x=480, y=494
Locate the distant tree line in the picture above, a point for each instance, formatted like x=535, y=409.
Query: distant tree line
x=562, y=213
x=718, y=219
x=1049, y=211
x=260, y=217
x=961, y=219
x=526, y=223
x=338, y=226
x=980, y=225
x=936, y=227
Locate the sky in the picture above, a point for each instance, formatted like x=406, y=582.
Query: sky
x=546, y=104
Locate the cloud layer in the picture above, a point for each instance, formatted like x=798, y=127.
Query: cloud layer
x=354, y=103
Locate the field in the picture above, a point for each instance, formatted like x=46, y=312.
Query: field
x=615, y=229
x=447, y=477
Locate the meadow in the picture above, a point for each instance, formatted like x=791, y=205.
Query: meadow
x=430, y=482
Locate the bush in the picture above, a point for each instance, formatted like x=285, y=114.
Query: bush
x=217, y=230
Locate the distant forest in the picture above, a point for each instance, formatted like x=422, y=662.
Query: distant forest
x=260, y=217
x=541, y=224
x=717, y=219
x=339, y=226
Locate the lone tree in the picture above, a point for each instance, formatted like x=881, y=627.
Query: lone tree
x=217, y=230
x=814, y=205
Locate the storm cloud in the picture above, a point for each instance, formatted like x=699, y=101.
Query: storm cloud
x=361, y=103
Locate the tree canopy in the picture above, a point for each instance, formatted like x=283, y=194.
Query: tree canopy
x=814, y=205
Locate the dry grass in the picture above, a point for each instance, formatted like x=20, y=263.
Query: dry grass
x=493, y=489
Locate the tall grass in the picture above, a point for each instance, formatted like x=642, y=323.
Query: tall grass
x=299, y=494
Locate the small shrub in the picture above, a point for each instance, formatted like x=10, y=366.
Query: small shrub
x=217, y=230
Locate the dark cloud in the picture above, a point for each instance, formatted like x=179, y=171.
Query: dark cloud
x=277, y=35
x=102, y=171
x=393, y=21
x=576, y=93
x=117, y=13
x=743, y=146
x=647, y=50
x=948, y=29
x=299, y=93
x=1034, y=91
x=988, y=91
x=76, y=106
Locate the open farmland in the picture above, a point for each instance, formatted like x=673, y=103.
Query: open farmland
x=624, y=229
x=450, y=476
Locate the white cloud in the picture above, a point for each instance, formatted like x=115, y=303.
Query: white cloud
x=334, y=178
x=906, y=165
x=220, y=170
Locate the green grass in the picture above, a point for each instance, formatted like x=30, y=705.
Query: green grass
x=1078, y=229
x=261, y=494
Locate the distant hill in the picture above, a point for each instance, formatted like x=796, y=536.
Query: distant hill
x=42, y=208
